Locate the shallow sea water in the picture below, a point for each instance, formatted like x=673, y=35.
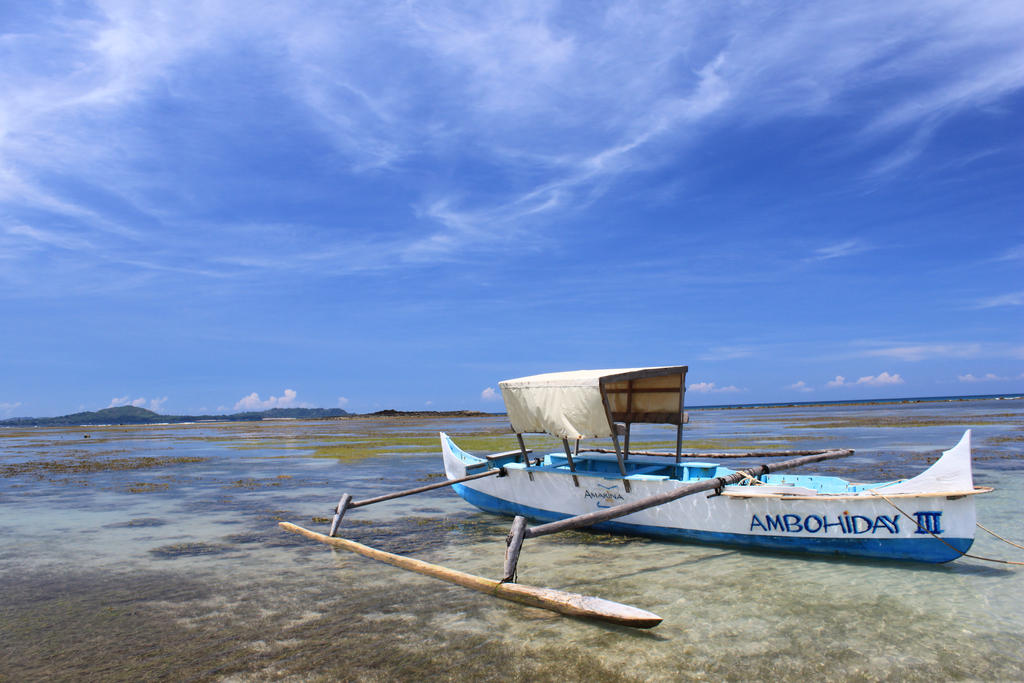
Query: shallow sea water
x=154, y=553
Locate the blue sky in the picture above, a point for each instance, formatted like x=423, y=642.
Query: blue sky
x=211, y=206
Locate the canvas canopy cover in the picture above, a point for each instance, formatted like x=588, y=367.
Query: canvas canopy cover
x=586, y=403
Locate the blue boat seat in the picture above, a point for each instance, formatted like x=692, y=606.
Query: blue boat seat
x=697, y=470
x=662, y=470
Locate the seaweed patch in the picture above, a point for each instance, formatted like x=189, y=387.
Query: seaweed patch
x=140, y=522
x=188, y=550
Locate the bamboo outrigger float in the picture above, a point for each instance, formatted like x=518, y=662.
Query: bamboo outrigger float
x=643, y=494
x=571, y=604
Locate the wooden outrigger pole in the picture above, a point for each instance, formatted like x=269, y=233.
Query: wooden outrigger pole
x=572, y=604
x=715, y=454
x=346, y=503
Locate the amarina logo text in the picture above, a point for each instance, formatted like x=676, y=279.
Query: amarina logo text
x=605, y=498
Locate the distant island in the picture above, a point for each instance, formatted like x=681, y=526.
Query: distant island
x=428, y=413
x=131, y=415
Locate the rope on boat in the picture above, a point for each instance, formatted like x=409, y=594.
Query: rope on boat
x=962, y=553
x=1004, y=540
x=749, y=480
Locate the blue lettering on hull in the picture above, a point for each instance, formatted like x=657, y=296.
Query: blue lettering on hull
x=928, y=522
x=848, y=524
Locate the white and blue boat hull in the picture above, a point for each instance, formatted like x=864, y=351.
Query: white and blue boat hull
x=930, y=518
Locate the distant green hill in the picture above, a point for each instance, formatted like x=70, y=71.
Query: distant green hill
x=126, y=415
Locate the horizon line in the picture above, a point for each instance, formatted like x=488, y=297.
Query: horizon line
x=721, y=406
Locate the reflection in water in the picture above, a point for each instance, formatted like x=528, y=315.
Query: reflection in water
x=153, y=552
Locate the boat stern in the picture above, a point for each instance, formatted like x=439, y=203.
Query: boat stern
x=950, y=473
x=456, y=460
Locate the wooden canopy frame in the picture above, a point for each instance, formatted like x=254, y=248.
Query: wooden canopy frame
x=636, y=396
x=627, y=394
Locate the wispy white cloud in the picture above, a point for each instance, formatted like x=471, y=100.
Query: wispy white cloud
x=881, y=379
x=1011, y=299
x=49, y=237
x=1013, y=254
x=847, y=248
x=154, y=404
x=717, y=353
x=342, y=401
x=489, y=394
x=913, y=351
x=800, y=386
x=711, y=387
x=140, y=402
x=906, y=150
x=252, y=402
x=8, y=408
x=987, y=377
x=917, y=352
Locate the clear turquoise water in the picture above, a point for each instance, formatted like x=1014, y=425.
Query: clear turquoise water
x=178, y=570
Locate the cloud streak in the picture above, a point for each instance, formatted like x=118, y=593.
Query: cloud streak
x=918, y=352
x=987, y=377
x=711, y=387
x=840, y=250
x=1011, y=299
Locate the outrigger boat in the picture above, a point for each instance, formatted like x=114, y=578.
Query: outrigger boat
x=928, y=518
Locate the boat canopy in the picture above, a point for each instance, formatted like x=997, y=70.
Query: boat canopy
x=588, y=403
